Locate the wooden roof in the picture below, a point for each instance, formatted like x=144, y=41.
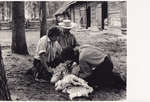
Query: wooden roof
x=64, y=7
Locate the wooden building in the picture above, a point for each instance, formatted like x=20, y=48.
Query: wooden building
x=117, y=13
x=94, y=14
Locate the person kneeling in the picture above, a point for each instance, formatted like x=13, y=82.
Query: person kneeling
x=94, y=65
x=47, y=52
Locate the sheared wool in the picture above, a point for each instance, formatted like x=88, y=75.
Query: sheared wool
x=74, y=86
x=70, y=83
x=58, y=72
x=78, y=92
x=63, y=69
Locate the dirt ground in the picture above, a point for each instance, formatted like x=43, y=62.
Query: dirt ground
x=24, y=88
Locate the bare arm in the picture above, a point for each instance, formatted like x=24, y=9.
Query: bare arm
x=85, y=69
x=44, y=64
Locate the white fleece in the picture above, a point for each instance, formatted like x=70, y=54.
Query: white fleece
x=74, y=86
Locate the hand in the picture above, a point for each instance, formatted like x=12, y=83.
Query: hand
x=76, y=48
x=50, y=70
x=75, y=70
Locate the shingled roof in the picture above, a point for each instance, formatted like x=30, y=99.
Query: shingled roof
x=64, y=7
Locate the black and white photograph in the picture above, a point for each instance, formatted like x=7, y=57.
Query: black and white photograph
x=63, y=50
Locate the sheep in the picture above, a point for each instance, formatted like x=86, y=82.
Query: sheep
x=60, y=71
x=70, y=83
x=74, y=86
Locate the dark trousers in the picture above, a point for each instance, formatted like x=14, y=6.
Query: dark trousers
x=102, y=75
x=42, y=72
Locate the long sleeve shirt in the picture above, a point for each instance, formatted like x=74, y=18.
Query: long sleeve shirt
x=90, y=57
x=67, y=40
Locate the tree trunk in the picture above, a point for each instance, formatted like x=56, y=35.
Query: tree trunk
x=43, y=22
x=4, y=92
x=3, y=14
x=18, y=29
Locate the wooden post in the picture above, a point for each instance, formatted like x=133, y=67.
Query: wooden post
x=4, y=92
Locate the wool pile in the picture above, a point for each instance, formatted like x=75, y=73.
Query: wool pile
x=70, y=83
x=74, y=86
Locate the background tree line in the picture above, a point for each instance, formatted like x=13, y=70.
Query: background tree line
x=32, y=9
